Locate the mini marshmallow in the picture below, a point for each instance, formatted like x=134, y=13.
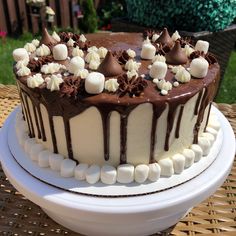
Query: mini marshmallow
x=28, y=144
x=35, y=150
x=93, y=174
x=167, y=168
x=158, y=70
x=125, y=173
x=210, y=137
x=148, y=51
x=202, y=46
x=197, y=151
x=178, y=163
x=55, y=161
x=189, y=157
x=80, y=171
x=60, y=52
x=205, y=145
x=94, y=83
x=141, y=173
x=20, y=54
x=76, y=64
x=43, y=158
x=67, y=168
x=211, y=131
x=199, y=67
x=108, y=174
x=22, y=138
x=154, y=172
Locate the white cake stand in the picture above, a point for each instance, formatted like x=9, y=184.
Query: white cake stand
x=140, y=215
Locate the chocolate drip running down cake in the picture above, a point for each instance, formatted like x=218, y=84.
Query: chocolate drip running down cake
x=118, y=104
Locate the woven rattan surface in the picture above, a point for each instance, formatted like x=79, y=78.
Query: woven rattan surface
x=19, y=216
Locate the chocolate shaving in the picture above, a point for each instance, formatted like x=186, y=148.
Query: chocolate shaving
x=122, y=56
x=35, y=65
x=72, y=87
x=131, y=86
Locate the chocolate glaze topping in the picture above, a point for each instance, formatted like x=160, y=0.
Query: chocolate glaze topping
x=176, y=56
x=110, y=66
x=71, y=100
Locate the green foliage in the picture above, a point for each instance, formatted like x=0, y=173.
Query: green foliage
x=89, y=22
x=193, y=16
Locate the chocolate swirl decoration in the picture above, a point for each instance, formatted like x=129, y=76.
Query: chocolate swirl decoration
x=72, y=87
x=35, y=65
x=185, y=41
x=149, y=33
x=131, y=86
x=211, y=59
x=161, y=49
x=122, y=56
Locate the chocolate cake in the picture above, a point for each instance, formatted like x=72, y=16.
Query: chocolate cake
x=119, y=100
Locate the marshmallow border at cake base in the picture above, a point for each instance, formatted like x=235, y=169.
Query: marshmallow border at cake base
x=93, y=186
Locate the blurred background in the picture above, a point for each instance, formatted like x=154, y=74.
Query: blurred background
x=212, y=20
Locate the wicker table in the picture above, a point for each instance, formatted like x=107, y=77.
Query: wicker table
x=19, y=216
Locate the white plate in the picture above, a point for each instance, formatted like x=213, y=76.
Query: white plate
x=139, y=215
x=54, y=178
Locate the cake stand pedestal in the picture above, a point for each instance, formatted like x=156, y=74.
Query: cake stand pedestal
x=140, y=215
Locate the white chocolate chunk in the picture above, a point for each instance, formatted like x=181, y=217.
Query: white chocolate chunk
x=20, y=54
x=80, y=171
x=94, y=83
x=178, y=163
x=108, y=174
x=35, y=150
x=210, y=137
x=125, y=173
x=93, y=174
x=202, y=46
x=60, y=52
x=154, y=172
x=167, y=168
x=189, y=157
x=76, y=64
x=148, y=51
x=198, y=152
x=67, y=168
x=205, y=145
x=55, y=161
x=212, y=131
x=158, y=70
x=29, y=142
x=199, y=67
x=155, y=37
x=141, y=173
x=43, y=158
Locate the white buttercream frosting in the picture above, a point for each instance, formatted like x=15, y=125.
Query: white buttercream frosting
x=43, y=50
x=22, y=63
x=175, y=35
x=175, y=69
x=92, y=55
x=52, y=67
x=35, y=42
x=131, y=74
x=92, y=49
x=158, y=57
x=102, y=52
x=158, y=70
x=56, y=36
x=35, y=80
x=76, y=64
x=131, y=53
x=30, y=47
x=111, y=85
x=155, y=37
x=132, y=65
x=163, y=84
x=77, y=52
x=188, y=50
x=94, y=64
x=70, y=42
x=82, y=38
x=183, y=76
x=53, y=83
x=23, y=71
